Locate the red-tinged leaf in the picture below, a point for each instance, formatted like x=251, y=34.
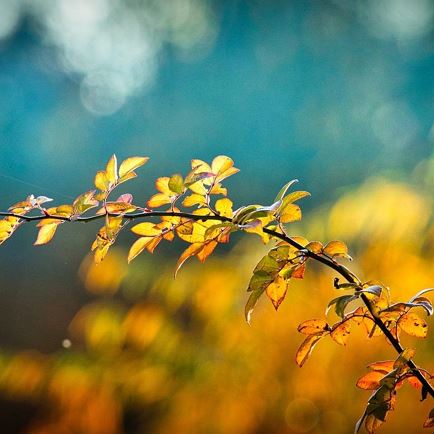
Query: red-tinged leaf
x=413, y=325
x=414, y=382
x=370, y=381
x=208, y=248
x=130, y=164
x=429, y=422
x=126, y=198
x=313, y=327
x=46, y=233
x=298, y=272
x=341, y=333
x=191, y=250
x=305, y=349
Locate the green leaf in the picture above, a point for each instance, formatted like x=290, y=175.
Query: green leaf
x=284, y=189
x=176, y=184
x=340, y=304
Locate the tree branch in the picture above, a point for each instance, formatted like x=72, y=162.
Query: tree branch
x=340, y=269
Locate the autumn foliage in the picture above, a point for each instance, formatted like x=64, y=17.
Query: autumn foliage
x=196, y=210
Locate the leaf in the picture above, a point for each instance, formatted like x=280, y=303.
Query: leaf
x=101, y=181
x=315, y=246
x=138, y=246
x=194, y=199
x=373, y=289
x=251, y=303
x=291, y=198
x=84, y=202
x=336, y=248
x=224, y=207
x=291, y=213
x=111, y=170
x=276, y=291
x=403, y=358
x=146, y=229
x=313, y=326
x=305, y=349
x=46, y=233
x=340, y=333
x=222, y=167
x=420, y=293
x=284, y=189
x=176, y=184
x=119, y=207
x=413, y=325
x=190, y=251
x=370, y=381
x=384, y=366
x=429, y=422
x=130, y=164
x=340, y=304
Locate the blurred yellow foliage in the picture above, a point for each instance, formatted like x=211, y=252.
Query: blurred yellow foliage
x=178, y=356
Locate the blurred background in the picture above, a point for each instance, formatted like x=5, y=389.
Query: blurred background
x=337, y=93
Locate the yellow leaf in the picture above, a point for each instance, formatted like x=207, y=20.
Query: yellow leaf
x=340, y=333
x=119, y=207
x=101, y=181
x=130, y=164
x=315, y=246
x=220, y=164
x=370, y=381
x=146, y=229
x=194, y=199
x=276, y=291
x=306, y=348
x=138, y=246
x=413, y=325
x=157, y=200
x=336, y=248
x=313, y=326
x=112, y=170
x=46, y=233
x=291, y=213
x=224, y=207
x=128, y=176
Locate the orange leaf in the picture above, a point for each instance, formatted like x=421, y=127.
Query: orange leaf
x=191, y=250
x=276, y=291
x=370, y=381
x=341, y=332
x=305, y=349
x=313, y=326
x=413, y=325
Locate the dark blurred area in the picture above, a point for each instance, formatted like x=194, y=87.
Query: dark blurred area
x=338, y=94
